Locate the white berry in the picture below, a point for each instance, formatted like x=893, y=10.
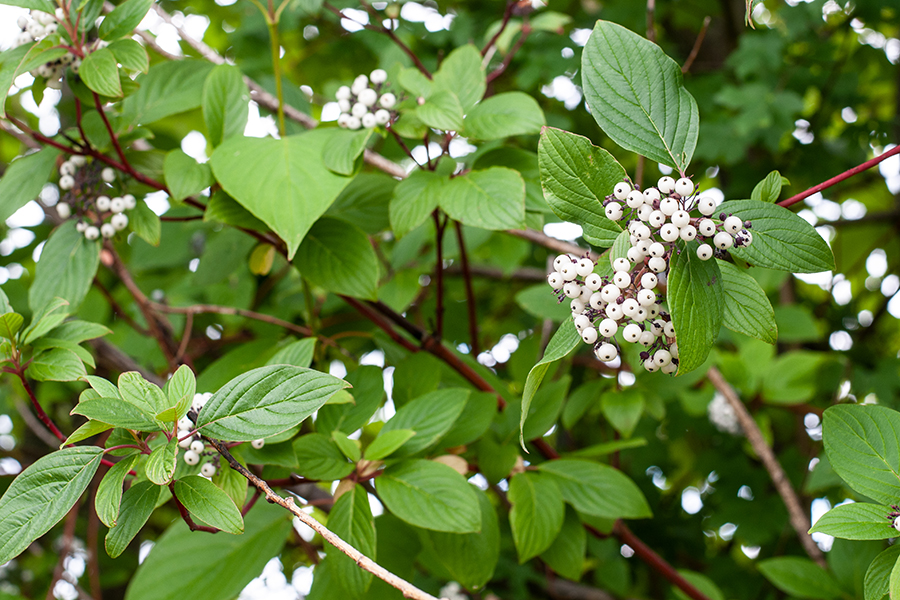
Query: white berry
x=378, y=76
x=704, y=252
x=117, y=205
x=634, y=255
x=642, y=232
x=630, y=306
x=67, y=168
x=387, y=101
x=684, y=187
x=669, y=329
x=635, y=199
x=354, y=123
x=613, y=211
x=81, y=226
x=596, y=300
x=651, y=194
x=577, y=305
x=650, y=366
x=368, y=97
x=662, y=358
x=92, y=233
x=382, y=117
x=666, y=185
x=107, y=230
x=680, y=218
x=614, y=312
x=581, y=322
x=130, y=201
x=646, y=338
x=198, y=446
x=610, y=292
x=706, y=227
x=186, y=442
x=669, y=232
x=191, y=457
x=78, y=160
x=63, y=210
x=584, y=267
x=607, y=328
x=656, y=249
x=632, y=332
x=656, y=219
x=646, y=297
x=669, y=368
x=108, y=175
x=369, y=121
x=688, y=232
x=644, y=212
x=723, y=240
x=589, y=335
x=649, y=281
x=606, y=353
x=733, y=224
x=657, y=264
x=562, y=259
x=622, y=190
x=258, y=443
x=622, y=280
x=343, y=93
x=555, y=280
x=571, y=289
x=668, y=206
x=208, y=469
x=103, y=203
x=621, y=264
x=66, y=182
x=707, y=206
x=568, y=272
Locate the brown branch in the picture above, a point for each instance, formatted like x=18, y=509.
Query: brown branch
x=507, y=14
x=185, y=336
x=35, y=425
x=26, y=140
x=470, y=294
x=551, y=243
x=20, y=373
x=697, y=43
x=526, y=31
x=798, y=517
x=365, y=563
x=68, y=537
x=839, y=178
x=651, y=27
x=112, y=133
x=230, y=310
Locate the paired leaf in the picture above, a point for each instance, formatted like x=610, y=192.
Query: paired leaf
x=877, y=581
x=41, y=495
x=800, y=577
x=138, y=504
x=320, y=458
x=696, y=300
x=338, y=256
x=636, y=95
x=504, y=115
x=462, y=73
x=415, y=198
x=283, y=182
x=109, y=492
x=124, y=18
x=225, y=103
x=537, y=513
x=857, y=521
x=265, y=401
x=66, y=269
x=430, y=495
x=493, y=198
x=597, y=490
x=769, y=188
x=747, y=309
x=781, y=239
x=185, y=176
x=430, y=416
x=344, y=148
x=209, y=504
x=25, y=177
x=161, y=463
x=576, y=177
x=351, y=519
x=100, y=73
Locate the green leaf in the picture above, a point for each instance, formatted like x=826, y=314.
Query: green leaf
x=414, y=81
x=442, y=110
x=365, y=201
x=232, y=483
x=704, y=584
x=476, y=417
x=225, y=99
x=147, y=396
x=46, y=343
x=44, y=319
x=225, y=209
x=161, y=463
x=878, y=574
x=636, y=95
x=145, y=223
x=462, y=73
x=349, y=448
x=858, y=521
x=769, y=188
x=368, y=392
x=747, y=309
x=185, y=176
x=104, y=388
x=100, y=72
x=41, y=495
x=537, y=513
x=297, y=354
x=282, y=182
x=781, y=239
x=800, y=577
x=56, y=364
x=79, y=331
x=138, y=504
x=430, y=416
x=351, y=520
x=109, y=492
x=623, y=409
x=415, y=198
x=66, y=269
x=209, y=504
x=338, y=256
x=320, y=458
x=469, y=558
x=387, y=442
x=492, y=198
x=566, y=554
x=131, y=55
x=118, y=413
x=10, y=323
x=541, y=303
x=265, y=401
x=344, y=148
x=792, y=377
x=185, y=564
x=561, y=344
x=597, y=490
x=179, y=390
x=42, y=5
x=863, y=447
x=25, y=177
x=696, y=302
x=576, y=177
x=171, y=87
x=504, y=115
x=87, y=430
x=430, y=495
x=124, y=18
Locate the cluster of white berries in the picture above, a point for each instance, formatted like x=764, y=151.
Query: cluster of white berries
x=723, y=416
x=602, y=306
x=108, y=214
x=664, y=212
x=365, y=103
x=193, y=443
x=37, y=25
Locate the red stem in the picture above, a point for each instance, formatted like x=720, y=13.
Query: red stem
x=839, y=178
x=507, y=14
x=470, y=293
x=112, y=134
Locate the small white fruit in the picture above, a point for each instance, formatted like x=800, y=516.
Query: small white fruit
x=258, y=444
x=649, y=281
x=378, y=76
x=555, y=280
x=589, y=335
x=91, y=233
x=723, y=240
x=66, y=182
x=584, y=267
x=613, y=211
x=684, y=187
x=208, y=469
x=666, y=185
x=103, y=203
x=198, y=446
x=108, y=175
x=622, y=190
x=635, y=199
x=632, y=332
x=63, y=210
x=387, y=101
x=191, y=457
x=704, y=252
x=606, y=353
x=107, y=230
x=733, y=224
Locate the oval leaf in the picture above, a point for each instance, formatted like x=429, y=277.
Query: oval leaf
x=209, y=504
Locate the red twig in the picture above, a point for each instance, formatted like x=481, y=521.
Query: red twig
x=112, y=134
x=470, y=294
x=839, y=178
x=37, y=406
x=507, y=14
x=526, y=31
x=697, y=43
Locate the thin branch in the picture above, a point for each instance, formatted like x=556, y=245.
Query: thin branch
x=113, y=359
x=554, y=244
x=507, y=14
x=526, y=31
x=229, y=310
x=439, y=273
x=26, y=140
x=118, y=310
x=839, y=178
x=697, y=43
x=798, y=517
x=112, y=133
x=651, y=20
x=364, y=562
x=185, y=336
x=19, y=372
x=470, y=294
